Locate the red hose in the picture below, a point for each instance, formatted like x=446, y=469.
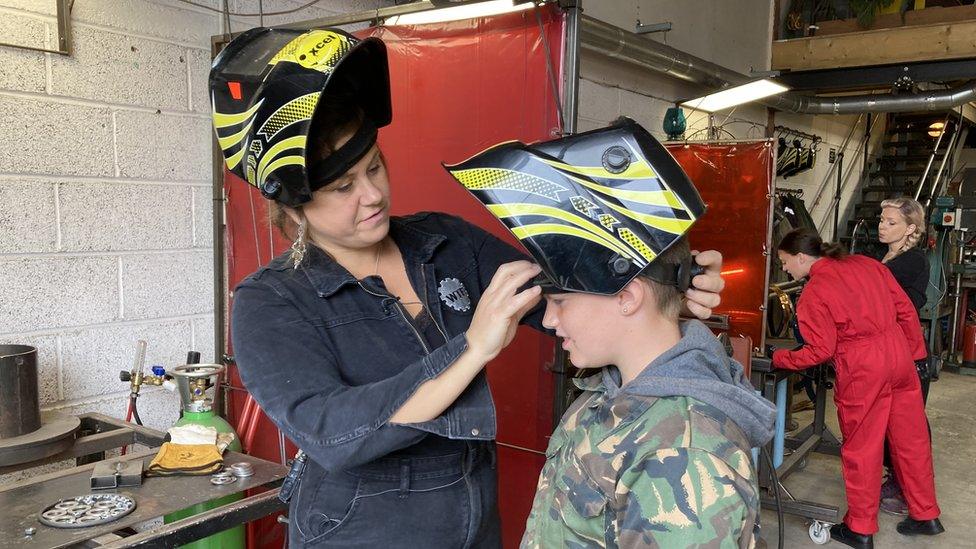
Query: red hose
x=128, y=417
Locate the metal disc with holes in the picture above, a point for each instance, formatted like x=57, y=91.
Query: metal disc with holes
x=87, y=510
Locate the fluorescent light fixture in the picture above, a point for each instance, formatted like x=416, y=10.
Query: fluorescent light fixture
x=455, y=13
x=735, y=96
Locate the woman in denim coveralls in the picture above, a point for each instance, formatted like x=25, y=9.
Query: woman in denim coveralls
x=366, y=343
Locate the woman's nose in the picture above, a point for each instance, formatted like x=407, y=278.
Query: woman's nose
x=371, y=193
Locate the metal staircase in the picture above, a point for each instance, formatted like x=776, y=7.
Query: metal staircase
x=908, y=155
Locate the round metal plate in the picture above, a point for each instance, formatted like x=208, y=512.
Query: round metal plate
x=57, y=434
x=87, y=510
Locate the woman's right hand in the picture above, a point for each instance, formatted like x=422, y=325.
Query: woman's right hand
x=500, y=308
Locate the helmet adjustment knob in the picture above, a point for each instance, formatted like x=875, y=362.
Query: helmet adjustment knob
x=271, y=189
x=620, y=266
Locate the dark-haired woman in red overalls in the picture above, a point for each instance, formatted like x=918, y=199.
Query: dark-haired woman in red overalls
x=853, y=312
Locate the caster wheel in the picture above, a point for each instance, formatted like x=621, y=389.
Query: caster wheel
x=819, y=532
x=802, y=465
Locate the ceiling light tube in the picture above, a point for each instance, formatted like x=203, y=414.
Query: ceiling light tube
x=738, y=95
x=456, y=13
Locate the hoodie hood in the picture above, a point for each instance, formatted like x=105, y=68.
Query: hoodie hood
x=699, y=368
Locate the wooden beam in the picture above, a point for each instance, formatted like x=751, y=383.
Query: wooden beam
x=928, y=16
x=877, y=47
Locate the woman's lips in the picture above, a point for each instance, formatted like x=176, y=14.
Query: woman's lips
x=374, y=218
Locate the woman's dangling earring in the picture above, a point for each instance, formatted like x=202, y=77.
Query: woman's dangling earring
x=298, y=247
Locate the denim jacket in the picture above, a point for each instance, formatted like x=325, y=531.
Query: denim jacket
x=330, y=358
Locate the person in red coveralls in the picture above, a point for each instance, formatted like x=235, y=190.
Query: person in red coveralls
x=852, y=311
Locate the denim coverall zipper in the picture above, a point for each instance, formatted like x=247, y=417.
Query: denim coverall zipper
x=403, y=314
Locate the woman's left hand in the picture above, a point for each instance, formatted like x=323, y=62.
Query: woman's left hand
x=705, y=295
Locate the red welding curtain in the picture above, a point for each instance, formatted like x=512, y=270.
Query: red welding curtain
x=735, y=181
x=457, y=88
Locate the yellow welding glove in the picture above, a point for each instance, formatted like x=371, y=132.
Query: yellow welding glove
x=185, y=459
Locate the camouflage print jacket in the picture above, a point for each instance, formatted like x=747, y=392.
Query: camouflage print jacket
x=641, y=471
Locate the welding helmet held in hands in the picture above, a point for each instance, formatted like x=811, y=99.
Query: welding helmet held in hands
x=594, y=209
x=265, y=87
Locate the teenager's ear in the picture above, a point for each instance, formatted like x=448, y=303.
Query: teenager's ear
x=632, y=297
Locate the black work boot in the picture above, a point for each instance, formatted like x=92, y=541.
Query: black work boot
x=912, y=527
x=841, y=533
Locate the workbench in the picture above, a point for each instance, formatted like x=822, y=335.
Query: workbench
x=23, y=501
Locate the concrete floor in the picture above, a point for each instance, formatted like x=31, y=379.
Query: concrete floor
x=953, y=419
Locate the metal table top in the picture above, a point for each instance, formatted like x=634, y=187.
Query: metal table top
x=157, y=496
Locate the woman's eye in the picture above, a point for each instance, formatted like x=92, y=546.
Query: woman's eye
x=344, y=189
x=374, y=169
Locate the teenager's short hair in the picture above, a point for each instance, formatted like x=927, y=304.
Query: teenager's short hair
x=668, y=298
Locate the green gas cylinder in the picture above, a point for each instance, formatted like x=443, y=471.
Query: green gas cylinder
x=192, y=381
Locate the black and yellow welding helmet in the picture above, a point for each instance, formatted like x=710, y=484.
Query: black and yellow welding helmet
x=594, y=209
x=265, y=87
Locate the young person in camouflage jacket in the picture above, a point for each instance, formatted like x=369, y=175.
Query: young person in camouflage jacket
x=656, y=451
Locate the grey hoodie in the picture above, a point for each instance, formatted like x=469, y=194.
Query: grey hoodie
x=698, y=367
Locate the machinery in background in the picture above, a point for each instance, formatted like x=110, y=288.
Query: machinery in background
x=952, y=259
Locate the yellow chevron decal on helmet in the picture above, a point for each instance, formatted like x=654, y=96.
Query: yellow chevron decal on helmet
x=279, y=163
x=584, y=206
x=637, y=170
x=665, y=198
x=295, y=142
x=608, y=221
x=231, y=140
x=266, y=87
x=235, y=159
x=636, y=243
x=500, y=179
x=627, y=201
x=300, y=108
x=538, y=229
x=222, y=120
x=596, y=234
x=669, y=224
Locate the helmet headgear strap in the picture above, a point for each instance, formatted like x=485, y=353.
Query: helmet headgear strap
x=333, y=166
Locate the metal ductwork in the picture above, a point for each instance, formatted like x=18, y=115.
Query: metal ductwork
x=611, y=41
x=924, y=101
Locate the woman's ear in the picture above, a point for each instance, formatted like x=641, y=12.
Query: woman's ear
x=294, y=214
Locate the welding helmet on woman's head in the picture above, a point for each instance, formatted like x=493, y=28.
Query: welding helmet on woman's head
x=594, y=209
x=266, y=87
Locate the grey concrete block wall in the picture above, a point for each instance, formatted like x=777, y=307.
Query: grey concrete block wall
x=43, y=135
x=22, y=69
x=163, y=147
x=91, y=358
x=35, y=223
x=124, y=216
x=44, y=292
x=105, y=191
x=160, y=285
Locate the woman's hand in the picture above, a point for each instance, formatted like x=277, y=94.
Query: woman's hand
x=705, y=295
x=501, y=307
